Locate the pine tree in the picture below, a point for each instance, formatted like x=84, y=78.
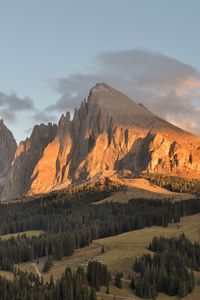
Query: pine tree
x=48, y=264
x=132, y=284
x=118, y=281
x=107, y=289
x=182, y=290
x=93, y=295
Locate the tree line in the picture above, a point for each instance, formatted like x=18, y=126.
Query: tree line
x=27, y=286
x=62, y=214
x=174, y=183
x=24, y=248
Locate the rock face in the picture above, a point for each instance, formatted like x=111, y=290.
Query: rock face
x=18, y=181
x=7, y=151
x=109, y=133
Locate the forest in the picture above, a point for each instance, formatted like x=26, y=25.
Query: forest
x=27, y=286
x=169, y=269
x=79, y=285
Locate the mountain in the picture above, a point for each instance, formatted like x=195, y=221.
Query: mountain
x=28, y=153
x=8, y=147
x=109, y=133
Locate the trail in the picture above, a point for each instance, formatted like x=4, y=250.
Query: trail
x=34, y=265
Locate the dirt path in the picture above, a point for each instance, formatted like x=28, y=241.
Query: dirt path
x=35, y=267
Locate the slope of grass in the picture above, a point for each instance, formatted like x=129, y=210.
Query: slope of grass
x=120, y=253
x=124, y=248
x=142, y=188
x=121, y=250
x=7, y=275
x=28, y=233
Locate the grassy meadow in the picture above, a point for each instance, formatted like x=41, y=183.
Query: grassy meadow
x=120, y=253
x=28, y=233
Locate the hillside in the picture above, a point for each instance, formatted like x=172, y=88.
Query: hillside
x=120, y=253
x=69, y=229
x=140, y=188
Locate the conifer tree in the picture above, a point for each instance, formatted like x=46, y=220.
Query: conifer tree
x=118, y=281
x=48, y=264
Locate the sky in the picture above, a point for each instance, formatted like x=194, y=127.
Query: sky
x=53, y=51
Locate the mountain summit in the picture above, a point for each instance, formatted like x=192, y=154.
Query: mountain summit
x=108, y=134
x=8, y=147
x=125, y=111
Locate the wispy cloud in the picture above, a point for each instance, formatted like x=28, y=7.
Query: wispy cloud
x=165, y=85
x=42, y=117
x=11, y=104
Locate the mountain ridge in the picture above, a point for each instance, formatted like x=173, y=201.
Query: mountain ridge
x=108, y=133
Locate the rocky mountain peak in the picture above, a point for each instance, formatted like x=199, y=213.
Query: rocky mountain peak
x=116, y=108
x=64, y=120
x=43, y=133
x=7, y=145
x=108, y=133
x=7, y=150
x=26, y=156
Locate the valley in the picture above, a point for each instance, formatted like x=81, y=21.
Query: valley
x=120, y=253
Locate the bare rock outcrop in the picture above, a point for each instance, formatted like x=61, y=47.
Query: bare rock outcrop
x=7, y=151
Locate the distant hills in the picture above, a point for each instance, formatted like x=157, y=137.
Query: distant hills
x=109, y=134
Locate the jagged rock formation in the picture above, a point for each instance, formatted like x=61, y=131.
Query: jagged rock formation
x=109, y=133
x=7, y=151
x=28, y=153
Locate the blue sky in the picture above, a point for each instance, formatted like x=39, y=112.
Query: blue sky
x=46, y=46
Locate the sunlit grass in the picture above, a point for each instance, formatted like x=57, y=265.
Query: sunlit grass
x=28, y=233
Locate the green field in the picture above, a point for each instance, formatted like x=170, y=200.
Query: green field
x=124, y=248
x=28, y=233
x=120, y=253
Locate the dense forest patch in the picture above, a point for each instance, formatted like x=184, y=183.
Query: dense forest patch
x=25, y=286
x=169, y=269
x=174, y=183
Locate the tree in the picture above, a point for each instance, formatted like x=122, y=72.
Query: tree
x=48, y=264
x=118, y=281
x=93, y=295
x=51, y=282
x=107, y=289
x=132, y=284
x=182, y=290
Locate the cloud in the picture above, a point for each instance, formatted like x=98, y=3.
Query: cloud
x=11, y=104
x=165, y=85
x=42, y=117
